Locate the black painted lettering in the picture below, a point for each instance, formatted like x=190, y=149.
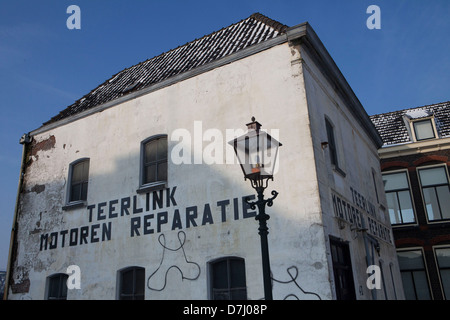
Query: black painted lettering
x=73, y=237
x=236, y=208
x=63, y=237
x=207, y=216
x=112, y=214
x=170, y=197
x=162, y=218
x=176, y=222
x=124, y=206
x=135, y=225
x=135, y=208
x=44, y=242
x=246, y=207
x=84, y=233
x=91, y=209
x=100, y=212
x=106, y=231
x=333, y=197
x=191, y=215
x=157, y=199
x=53, y=240
x=340, y=210
x=148, y=223
x=353, y=195
x=94, y=228
x=353, y=214
x=223, y=210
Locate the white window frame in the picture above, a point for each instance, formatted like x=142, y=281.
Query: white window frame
x=421, y=190
x=412, y=128
x=397, y=225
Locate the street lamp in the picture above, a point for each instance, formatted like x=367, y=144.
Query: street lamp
x=257, y=152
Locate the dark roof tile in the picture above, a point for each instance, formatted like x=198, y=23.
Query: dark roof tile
x=255, y=29
x=392, y=128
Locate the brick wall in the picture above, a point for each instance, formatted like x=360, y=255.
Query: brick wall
x=424, y=235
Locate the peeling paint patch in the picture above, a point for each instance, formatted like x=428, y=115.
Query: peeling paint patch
x=38, y=188
x=44, y=145
x=21, y=287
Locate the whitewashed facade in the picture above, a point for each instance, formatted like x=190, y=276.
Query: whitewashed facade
x=176, y=231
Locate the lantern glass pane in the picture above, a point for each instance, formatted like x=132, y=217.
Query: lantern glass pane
x=257, y=153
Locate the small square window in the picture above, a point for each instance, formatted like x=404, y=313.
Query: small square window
x=132, y=284
x=228, y=279
x=423, y=130
x=57, y=287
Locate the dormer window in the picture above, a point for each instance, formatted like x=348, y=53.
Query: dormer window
x=423, y=129
x=421, y=125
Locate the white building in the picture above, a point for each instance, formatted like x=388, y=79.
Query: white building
x=136, y=186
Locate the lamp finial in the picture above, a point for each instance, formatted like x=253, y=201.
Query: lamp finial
x=255, y=125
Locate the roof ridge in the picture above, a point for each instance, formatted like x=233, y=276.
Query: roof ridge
x=270, y=22
x=278, y=26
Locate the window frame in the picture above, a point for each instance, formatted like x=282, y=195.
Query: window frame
x=159, y=184
x=62, y=281
x=212, y=291
x=411, y=196
x=425, y=269
x=133, y=295
x=73, y=204
x=333, y=148
x=342, y=266
x=431, y=221
x=439, y=268
x=413, y=123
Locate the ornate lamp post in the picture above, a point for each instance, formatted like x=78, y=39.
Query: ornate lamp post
x=257, y=152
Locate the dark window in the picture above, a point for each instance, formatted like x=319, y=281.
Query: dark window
x=423, y=130
x=436, y=192
x=443, y=259
x=132, y=284
x=331, y=143
x=78, y=180
x=398, y=197
x=154, y=160
x=374, y=180
x=342, y=269
x=414, y=277
x=228, y=279
x=57, y=287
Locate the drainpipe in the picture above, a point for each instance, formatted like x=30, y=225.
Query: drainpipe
x=25, y=140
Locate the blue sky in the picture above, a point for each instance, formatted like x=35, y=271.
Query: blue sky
x=44, y=66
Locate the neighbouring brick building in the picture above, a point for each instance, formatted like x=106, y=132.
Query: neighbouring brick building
x=415, y=161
